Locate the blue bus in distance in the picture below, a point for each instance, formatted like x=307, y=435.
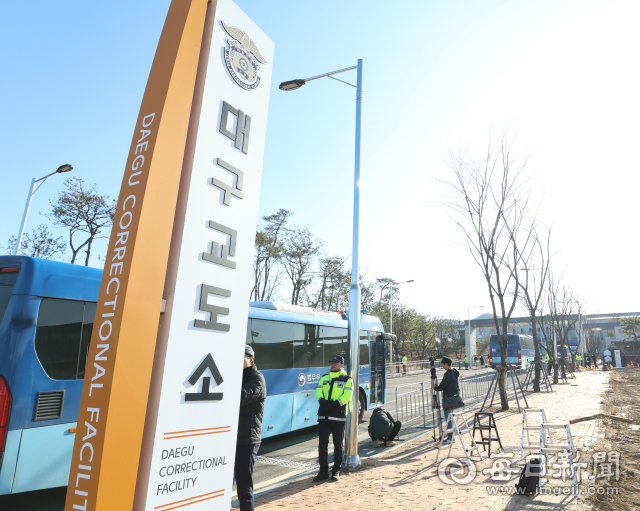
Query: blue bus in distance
x=520, y=350
x=47, y=310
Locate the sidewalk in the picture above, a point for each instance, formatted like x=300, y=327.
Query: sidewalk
x=407, y=478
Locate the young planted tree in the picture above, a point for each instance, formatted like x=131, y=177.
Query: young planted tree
x=533, y=285
x=84, y=212
x=593, y=340
x=489, y=202
x=267, y=270
x=39, y=243
x=565, y=314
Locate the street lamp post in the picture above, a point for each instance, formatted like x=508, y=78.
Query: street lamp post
x=62, y=168
x=351, y=451
x=391, y=315
x=468, y=349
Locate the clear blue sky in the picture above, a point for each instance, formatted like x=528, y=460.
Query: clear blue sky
x=436, y=74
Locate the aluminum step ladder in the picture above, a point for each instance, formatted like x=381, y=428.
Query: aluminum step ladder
x=458, y=429
x=527, y=427
x=547, y=448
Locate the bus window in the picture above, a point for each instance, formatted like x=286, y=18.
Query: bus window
x=8, y=277
x=335, y=342
x=364, y=348
x=307, y=346
x=87, y=328
x=58, y=334
x=272, y=342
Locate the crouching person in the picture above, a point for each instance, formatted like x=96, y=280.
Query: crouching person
x=383, y=427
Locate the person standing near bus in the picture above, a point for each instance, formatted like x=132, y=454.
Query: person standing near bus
x=252, y=398
x=404, y=364
x=333, y=393
x=481, y=361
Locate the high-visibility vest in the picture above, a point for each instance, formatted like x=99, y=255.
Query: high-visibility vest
x=547, y=355
x=466, y=360
x=404, y=360
x=340, y=390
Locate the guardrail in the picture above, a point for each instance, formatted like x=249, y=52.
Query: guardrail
x=396, y=369
x=414, y=401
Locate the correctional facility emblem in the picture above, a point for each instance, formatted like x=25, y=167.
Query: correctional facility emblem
x=242, y=58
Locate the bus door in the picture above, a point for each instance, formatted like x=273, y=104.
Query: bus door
x=378, y=359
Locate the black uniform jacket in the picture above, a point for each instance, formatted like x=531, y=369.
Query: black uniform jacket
x=449, y=384
x=254, y=393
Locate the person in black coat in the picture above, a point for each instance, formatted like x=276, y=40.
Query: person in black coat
x=252, y=398
x=382, y=426
x=481, y=361
x=449, y=387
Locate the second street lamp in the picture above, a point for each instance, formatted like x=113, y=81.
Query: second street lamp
x=391, y=316
x=61, y=169
x=468, y=346
x=351, y=451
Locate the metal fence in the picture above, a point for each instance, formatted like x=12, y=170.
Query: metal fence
x=396, y=369
x=414, y=401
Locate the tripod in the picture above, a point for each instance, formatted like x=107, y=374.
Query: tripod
x=435, y=406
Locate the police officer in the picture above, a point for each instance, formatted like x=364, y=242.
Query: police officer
x=404, y=364
x=333, y=394
x=466, y=362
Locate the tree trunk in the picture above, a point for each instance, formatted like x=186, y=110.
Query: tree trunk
x=536, y=360
x=504, y=402
x=86, y=262
x=502, y=387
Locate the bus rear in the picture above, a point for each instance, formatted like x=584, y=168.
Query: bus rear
x=514, y=351
x=46, y=317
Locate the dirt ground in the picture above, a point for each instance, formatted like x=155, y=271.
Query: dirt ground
x=623, y=400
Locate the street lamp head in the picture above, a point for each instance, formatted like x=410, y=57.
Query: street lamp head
x=64, y=168
x=291, y=84
x=409, y=281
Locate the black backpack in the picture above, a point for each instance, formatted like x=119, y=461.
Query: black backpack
x=529, y=478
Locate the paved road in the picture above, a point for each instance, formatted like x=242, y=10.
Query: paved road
x=280, y=457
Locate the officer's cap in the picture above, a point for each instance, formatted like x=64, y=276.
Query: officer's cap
x=337, y=358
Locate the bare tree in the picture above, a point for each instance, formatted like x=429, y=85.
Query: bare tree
x=565, y=314
x=593, y=340
x=39, y=243
x=82, y=211
x=268, y=252
x=532, y=289
x=489, y=201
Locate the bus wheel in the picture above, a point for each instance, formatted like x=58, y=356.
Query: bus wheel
x=362, y=406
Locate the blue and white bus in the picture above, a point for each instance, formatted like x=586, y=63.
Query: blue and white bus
x=47, y=310
x=520, y=350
